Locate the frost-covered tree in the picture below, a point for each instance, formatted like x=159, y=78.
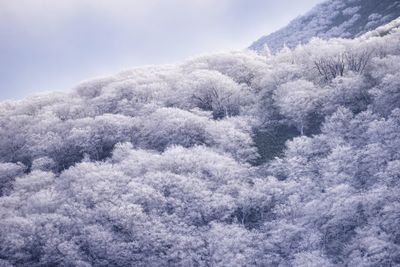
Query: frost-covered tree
x=297, y=100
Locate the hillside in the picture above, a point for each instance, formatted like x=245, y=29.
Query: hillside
x=232, y=159
x=333, y=18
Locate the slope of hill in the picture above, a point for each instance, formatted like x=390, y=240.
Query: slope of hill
x=333, y=18
x=159, y=166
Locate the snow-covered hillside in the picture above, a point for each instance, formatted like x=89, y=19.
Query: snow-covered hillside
x=333, y=18
x=233, y=159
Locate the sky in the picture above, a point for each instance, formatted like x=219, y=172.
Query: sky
x=52, y=45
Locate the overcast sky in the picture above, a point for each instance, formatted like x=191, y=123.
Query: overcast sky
x=48, y=45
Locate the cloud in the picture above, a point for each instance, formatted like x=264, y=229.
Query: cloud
x=45, y=10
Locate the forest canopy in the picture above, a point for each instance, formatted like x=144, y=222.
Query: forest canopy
x=234, y=159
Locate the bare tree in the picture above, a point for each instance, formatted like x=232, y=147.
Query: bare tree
x=358, y=61
x=221, y=105
x=332, y=67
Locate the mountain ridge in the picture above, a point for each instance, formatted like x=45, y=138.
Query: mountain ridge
x=332, y=18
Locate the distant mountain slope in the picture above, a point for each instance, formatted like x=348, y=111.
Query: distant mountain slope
x=333, y=18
